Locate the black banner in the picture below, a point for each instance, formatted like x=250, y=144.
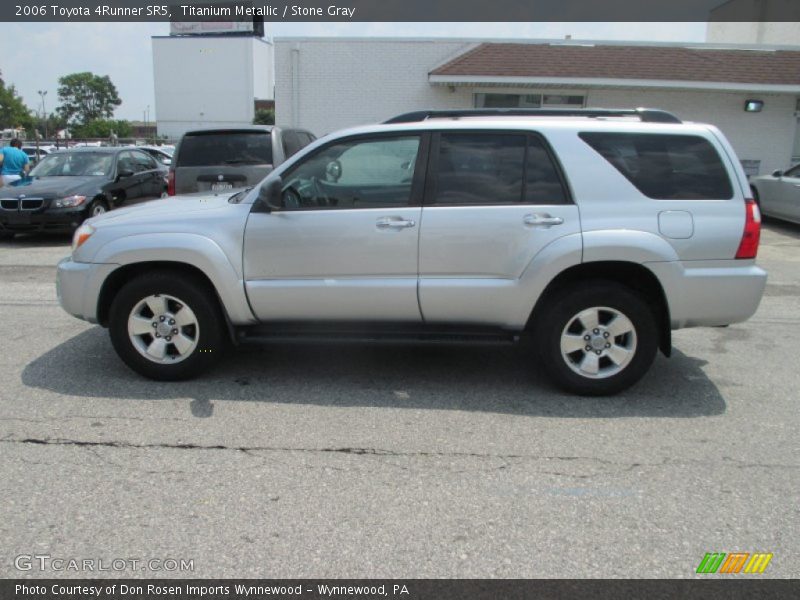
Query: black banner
x=410, y=589
x=400, y=10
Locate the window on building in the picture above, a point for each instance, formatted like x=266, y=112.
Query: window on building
x=529, y=101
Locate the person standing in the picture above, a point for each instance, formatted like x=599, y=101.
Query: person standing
x=15, y=163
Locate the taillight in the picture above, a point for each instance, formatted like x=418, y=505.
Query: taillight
x=171, y=183
x=748, y=247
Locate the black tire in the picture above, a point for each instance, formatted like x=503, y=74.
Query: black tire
x=96, y=205
x=560, y=311
x=211, y=343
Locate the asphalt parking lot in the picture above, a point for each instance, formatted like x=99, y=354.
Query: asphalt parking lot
x=396, y=460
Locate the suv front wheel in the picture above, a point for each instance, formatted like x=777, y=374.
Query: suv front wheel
x=597, y=338
x=167, y=326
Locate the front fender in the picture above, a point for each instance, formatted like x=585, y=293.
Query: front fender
x=185, y=248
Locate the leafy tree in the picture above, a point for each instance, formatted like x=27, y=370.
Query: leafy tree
x=86, y=97
x=102, y=128
x=264, y=116
x=13, y=112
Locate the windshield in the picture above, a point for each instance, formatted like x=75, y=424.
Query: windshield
x=225, y=148
x=74, y=164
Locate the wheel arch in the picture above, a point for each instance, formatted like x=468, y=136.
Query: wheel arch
x=119, y=277
x=634, y=276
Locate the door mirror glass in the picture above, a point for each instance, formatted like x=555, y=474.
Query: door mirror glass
x=270, y=196
x=777, y=173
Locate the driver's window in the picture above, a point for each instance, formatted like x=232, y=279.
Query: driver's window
x=371, y=173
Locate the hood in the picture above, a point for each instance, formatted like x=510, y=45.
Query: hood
x=53, y=187
x=166, y=209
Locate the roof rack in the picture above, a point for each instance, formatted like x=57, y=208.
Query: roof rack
x=646, y=115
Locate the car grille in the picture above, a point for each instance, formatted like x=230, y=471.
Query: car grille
x=23, y=204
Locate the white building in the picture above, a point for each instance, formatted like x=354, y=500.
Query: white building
x=325, y=84
x=209, y=80
x=775, y=22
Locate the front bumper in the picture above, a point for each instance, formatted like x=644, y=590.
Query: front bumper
x=41, y=221
x=711, y=293
x=78, y=287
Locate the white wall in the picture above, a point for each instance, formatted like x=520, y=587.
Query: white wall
x=207, y=81
x=263, y=70
x=752, y=32
x=352, y=82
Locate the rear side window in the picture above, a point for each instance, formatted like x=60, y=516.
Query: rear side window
x=665, y=167
x=496, y=168
x=225, y=148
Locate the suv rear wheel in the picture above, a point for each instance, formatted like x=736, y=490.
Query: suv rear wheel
x=167, y=326
x=597, y=339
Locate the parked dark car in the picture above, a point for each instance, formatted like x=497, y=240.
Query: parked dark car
x=69, y=186
x=218, y=160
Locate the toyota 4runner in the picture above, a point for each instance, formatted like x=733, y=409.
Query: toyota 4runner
x=592, y=233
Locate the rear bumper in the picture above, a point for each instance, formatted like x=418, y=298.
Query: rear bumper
x=78, y=287
x=710, y=293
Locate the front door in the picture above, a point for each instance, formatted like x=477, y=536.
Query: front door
x=344, y=246
x=788, y=201
x=495, y=199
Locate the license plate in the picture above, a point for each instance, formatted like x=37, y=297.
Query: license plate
x=221, y=186
x=19, y=217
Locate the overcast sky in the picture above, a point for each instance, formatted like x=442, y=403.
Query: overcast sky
x=34, y=55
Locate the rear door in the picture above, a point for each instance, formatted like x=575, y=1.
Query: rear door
x=344, y=247
x=152, y=176
x=494, y=200
x=129, y=181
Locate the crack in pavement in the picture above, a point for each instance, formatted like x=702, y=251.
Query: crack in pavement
x=251, y=450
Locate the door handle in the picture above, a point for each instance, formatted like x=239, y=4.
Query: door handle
x=394, y=223
x=542, y=220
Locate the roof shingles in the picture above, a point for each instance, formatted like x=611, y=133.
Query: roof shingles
x=778, y=67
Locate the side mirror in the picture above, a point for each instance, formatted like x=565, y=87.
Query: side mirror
x=777, y=173
x=270, y=195
x=166, y=161
x=124, y=173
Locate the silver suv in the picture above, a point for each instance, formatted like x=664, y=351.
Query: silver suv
x=592, y=233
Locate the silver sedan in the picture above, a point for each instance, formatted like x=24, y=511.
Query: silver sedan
x=778, y=194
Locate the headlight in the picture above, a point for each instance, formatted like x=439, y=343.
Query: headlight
x=83, y=233
x=69, y=201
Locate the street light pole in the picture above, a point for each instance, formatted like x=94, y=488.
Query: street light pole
x=42, y=94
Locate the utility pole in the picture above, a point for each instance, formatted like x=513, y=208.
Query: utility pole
x=42, y=94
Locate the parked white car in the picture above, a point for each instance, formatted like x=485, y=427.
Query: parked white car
x=778, y=194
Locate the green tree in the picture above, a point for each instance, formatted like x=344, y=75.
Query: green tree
x=86, y=97
x=102, y=128
x=264, y=116
x=13, y=112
